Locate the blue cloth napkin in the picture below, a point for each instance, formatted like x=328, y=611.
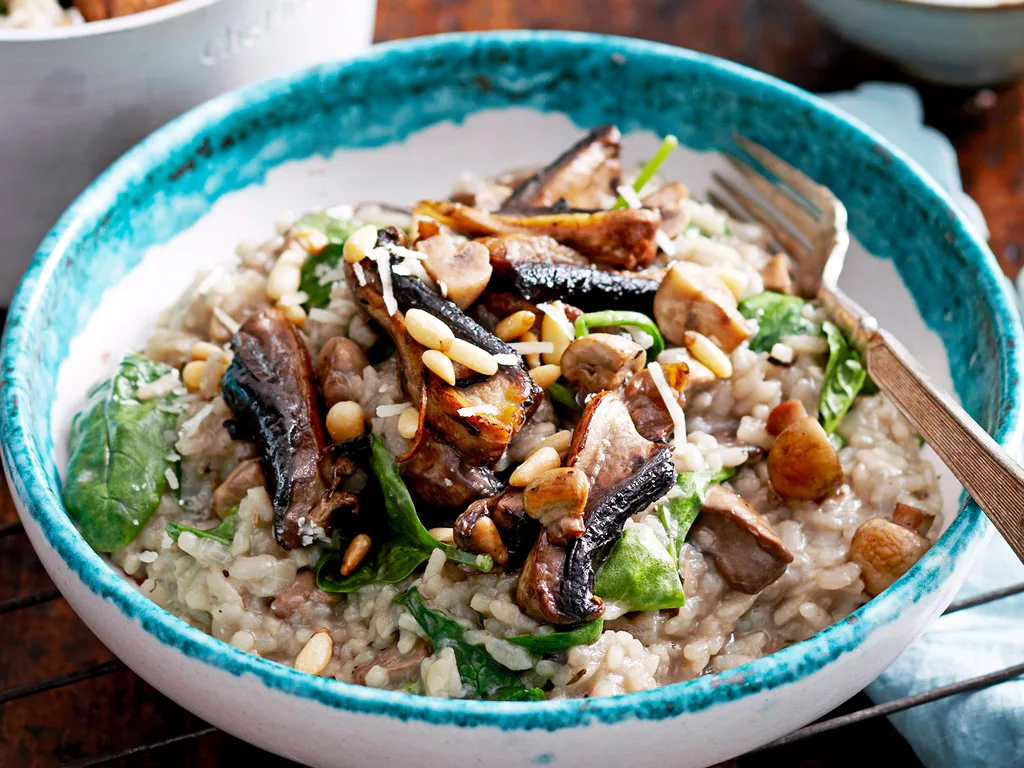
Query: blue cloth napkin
x=985, y=728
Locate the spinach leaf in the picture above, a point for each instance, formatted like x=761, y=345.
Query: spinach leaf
x=224, y=531
x=560, y=642
x=563, y=395
x=777, y=315
x=410, y=545
x=641, y=573
x=844, y=378
x=317, y=273
x=480, y=673
x=119, y=447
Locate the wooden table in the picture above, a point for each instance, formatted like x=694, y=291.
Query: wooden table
x=117, y=711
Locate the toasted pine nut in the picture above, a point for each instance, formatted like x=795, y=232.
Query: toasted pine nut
x=553, y=332
x=428, y=330
x=440, y=365
x=556, y=499
x=192, y=373
x=354, y=553
x=533, y=359
x=539, y=461
x=486, y=539
x=316, y=655
x=408, y=423
x=708, y=353
x=203, y=349
x=473, y=357
x=296, y=314
x=734, y=280
x=546, y=375
x=515, y=325
x=444, y=535
x=560, y=441
x=359, y=242
x=312, y=240
x=283, y=278
x=345, y=421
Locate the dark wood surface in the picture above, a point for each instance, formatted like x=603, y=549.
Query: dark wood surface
x=118, y=711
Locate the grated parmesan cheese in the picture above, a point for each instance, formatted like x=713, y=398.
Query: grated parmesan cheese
x=386, y=411
x=665, y=242
x=382, y=258
x=671, y=403
x=533, y=347
x=226, y=320
x=164, y=385
x=478, y=410
x=627, y=193
x=506, y=358
x=325, y=316
x=360, y=275
x=444, y=287
x=293, y=299
x=191, y=426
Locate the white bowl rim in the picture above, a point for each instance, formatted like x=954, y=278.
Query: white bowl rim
x=104, y=27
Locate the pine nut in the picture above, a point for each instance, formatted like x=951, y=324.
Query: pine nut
x=408, y=423
x=546, y=375
x=537, y=462
x=192, y=374
x=296, y=314
x=553, y=332
x=444, y=535
x=203, y=349
x=354, y=553
x=708, y=353
x=359, y=243
x=440, y=365
x=428, y=330
x=532, y=360
x=473, y=357
x=312, y=240
x=560, y=441
x=316, y=655
x=515, y=325
x=345, y=421
x=734, y=280
x=486, y=539
x=283, y=278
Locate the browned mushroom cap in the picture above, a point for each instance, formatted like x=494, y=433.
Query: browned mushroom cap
x=248, y=474
x=620, y=239
x=441, y=477
x=913, y=518
x=668, y=201
x=803, y=463
x=885, y=551
x=783, y=415
x=626, y=474
x=269, y=387
x=600, y=361
x=462, y=271
x=556, y=499
x=692, y=298
x=584, y=175
x=518, y=531
x=339, y=361
x=775, y=274
x=747, y=551
x=517, y=248
x=646, y=404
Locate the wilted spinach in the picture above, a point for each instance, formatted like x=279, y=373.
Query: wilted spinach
x=777, y=315
x=560, y=642
x=119, y=448
x=224, y=531
x=844, y=377
x=410, y=545
x=481, y=674
x=317, y=265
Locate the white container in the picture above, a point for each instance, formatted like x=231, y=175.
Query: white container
x=72, y=99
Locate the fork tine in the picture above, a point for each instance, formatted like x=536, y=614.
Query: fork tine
x=767, y=217
x=820, y=197
x=788, y=208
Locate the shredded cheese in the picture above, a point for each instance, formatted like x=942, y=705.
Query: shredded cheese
x=509, y=358
x=533, y=347
x=360, y=275
x=293, y=299
x=325, y=316
x=627, y=193
x=481, y=410
x=671, y=403
x=189, y=427
x=557, y=314
x=387, y=411
x=444, y=288
x=226, y=320
x=382, y=258
x=665, y=242
x=162, y=386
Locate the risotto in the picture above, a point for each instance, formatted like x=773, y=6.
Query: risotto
x=555, y=436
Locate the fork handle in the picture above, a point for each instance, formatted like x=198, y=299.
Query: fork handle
x=991, y=477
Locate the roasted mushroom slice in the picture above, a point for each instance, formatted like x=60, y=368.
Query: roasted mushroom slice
x=516, y=248
x=589, y=289
x=620, y=239
x=885, y=551
x=646, y=404
x=339, y=362
x=600, y=361
x=462, y=271
x=668, y=201
x=626, y=474
x=747, y=551
x=248, y=474
x=518, y=531
x=439, y=475
x=269, y=387
x=584, y=176
x=803, y=464
x=693, y=298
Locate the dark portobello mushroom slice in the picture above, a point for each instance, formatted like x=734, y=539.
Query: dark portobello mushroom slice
x=591, y=290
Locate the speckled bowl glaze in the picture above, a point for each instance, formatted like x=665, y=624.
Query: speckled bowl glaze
x=406, y=120
x=955, y=42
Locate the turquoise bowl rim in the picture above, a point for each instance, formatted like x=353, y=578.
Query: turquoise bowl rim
x=32, y=483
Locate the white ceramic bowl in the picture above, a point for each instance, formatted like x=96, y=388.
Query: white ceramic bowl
x=403, y=122
x=955, y=42
x=72, y=99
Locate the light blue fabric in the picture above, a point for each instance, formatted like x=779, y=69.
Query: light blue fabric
x=985, y=728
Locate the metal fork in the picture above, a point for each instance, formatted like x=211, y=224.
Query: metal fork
x=991, y=477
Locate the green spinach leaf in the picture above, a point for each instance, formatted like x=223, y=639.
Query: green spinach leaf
x=318, y=270
x=777, y=315
x=640, y=573
x=119, y=447
x=224, y=531
x=394, y=561
x=844, y=377
x=480, y=673
x=560, y=642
